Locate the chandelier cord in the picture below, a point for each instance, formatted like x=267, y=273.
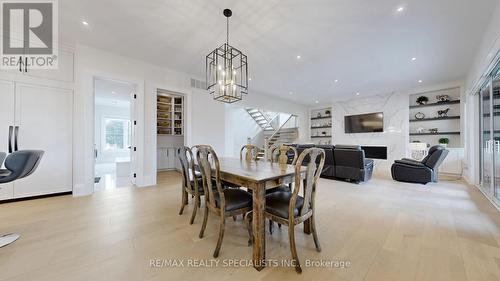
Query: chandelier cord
x=227, y=30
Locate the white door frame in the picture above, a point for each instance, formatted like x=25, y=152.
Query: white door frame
x=187, y=120
x=135, y=113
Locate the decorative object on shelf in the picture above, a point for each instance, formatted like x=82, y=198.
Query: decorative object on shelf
x=323, y=133
x=433, y=130
x=443, y=113
x=443, y=98
x=422, y=100
x=420, y=130
x=419, y=116
x=318, y=115
x=327, y=112
x=227, y=70
x=444, y=142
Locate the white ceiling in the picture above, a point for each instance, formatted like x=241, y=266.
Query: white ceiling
x=366, y=45
x=113, y=93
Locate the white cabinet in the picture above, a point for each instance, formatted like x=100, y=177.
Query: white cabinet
x=64, y=71
x=44, y=118
x=452, y=164
x=166, y=158
x=6, y=123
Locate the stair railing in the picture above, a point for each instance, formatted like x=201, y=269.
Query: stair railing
x=266, y=140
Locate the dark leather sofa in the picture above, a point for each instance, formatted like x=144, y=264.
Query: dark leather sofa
x=345, y=162
x=425, y=171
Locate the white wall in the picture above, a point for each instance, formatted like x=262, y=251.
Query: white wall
x=101, y=112
x=489, y=47
x=239, y=126
x=205, y=118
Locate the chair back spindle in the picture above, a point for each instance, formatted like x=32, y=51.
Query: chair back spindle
x=279, y=154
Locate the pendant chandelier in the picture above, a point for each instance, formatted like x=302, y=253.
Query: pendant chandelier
x=227, y=71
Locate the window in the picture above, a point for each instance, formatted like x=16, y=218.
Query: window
x=117, y=134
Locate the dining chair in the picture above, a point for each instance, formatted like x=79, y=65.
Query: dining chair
x=279, y=154
x=251, y=152
x=289, y=208
x=191, y=180
x=224, y=203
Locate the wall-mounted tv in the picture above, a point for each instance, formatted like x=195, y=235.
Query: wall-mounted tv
x=364, y=123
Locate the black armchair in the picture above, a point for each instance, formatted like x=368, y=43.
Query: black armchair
x=425, y=171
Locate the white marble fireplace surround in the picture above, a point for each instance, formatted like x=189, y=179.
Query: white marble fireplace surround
x=396, y=126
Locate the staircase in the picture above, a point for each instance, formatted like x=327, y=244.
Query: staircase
x=261, y=119
x=283, y=135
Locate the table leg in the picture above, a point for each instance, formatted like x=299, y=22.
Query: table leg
x=258, y=223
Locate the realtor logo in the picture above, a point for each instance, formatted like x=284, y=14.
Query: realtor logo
x=29, y=34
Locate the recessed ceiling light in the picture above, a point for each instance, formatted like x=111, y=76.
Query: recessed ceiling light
x=336, y=80
x=400, y=9
x=249, y=79
x=413, y=59
x=113, y=92
x=298, y=57
x=420, y=81
x=290, y=93
x=316, y=101
x=357, y=94
x=85, y=23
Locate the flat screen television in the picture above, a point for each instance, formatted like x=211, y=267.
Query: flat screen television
x=364, y=123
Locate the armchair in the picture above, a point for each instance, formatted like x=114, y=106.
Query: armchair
x=425, y=171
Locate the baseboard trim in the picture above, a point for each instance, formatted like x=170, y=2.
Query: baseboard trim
x=36, y=197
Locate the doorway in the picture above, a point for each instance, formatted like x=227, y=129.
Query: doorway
x=113, y=134
x=489, y=108
x=170, y=119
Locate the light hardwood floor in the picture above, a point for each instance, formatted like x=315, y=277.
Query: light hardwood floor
x=386, y=230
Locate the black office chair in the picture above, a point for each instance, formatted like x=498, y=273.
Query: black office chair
x=18, y=165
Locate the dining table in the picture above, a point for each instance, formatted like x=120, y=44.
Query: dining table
x=258, y=176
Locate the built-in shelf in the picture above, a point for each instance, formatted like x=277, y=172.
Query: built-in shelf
x=169, y=112
x=438, y=133
x=322, y=117
x=321, y=124
x=322, y=127
x=436, y=104
x=434, y=119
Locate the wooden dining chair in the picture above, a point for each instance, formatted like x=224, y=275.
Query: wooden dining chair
x=289, y=208
x=251, y=152
x=191, y=180
x=228, y=202
x=279, y=154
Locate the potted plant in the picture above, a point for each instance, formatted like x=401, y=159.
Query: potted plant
x=422, y=100
x=444, y=142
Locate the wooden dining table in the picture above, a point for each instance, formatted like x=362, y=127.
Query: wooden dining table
x=258, y=176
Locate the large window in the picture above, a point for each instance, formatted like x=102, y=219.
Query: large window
x=116, y=134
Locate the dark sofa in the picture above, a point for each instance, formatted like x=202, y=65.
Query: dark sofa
x=346, y=162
